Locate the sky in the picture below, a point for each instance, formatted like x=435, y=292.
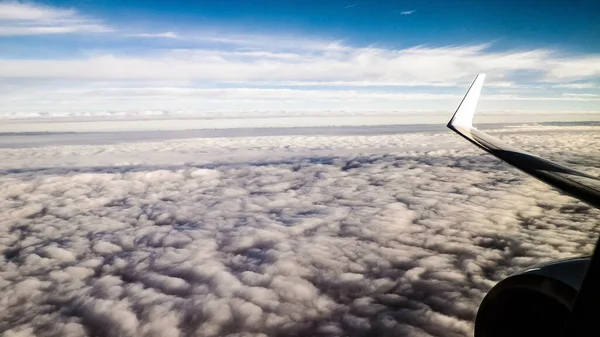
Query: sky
x=389, y=56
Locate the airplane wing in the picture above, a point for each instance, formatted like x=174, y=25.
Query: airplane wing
x=583, y=316
x=577, y=184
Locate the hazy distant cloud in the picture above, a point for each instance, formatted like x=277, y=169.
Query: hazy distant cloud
x=17, y=18
x=581, y=96
x=352, y=5
x=407, y=12
x=406, y=242
x=587, y=85
x=266, y=99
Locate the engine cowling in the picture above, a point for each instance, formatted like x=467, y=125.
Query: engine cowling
x=533, y=302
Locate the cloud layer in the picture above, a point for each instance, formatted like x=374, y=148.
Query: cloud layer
x=324, y=76
x=330, y=63
x=405, y=242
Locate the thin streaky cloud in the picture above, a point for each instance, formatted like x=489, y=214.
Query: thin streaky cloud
x=47, y=30
x=407, y=12
x=337, y=64
x=587, y=85
x=350, y=6
x=581, y=96
x=168, y=35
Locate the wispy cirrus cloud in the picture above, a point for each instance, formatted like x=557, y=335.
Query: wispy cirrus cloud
x=166, y=35
x=407, y=12
x=321, y=74
x=17, y=19
x=586, y=85
x=422, y=65
x=581, y=96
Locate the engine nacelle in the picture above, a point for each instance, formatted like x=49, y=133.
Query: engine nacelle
x=532, y=302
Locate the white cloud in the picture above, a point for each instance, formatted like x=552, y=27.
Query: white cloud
x=424, y=65
x=279, y=42
x=403, y=242
x=376, y=77
x=49, y=101
x=238, y=94
x=407, y=12
x=582, y=96
x=18, y=11
x=17, y=18
x=587, y=85
x=168, y=35
x=561, y=69
x=41, y=30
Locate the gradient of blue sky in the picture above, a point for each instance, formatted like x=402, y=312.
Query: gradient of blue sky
x=316, y=55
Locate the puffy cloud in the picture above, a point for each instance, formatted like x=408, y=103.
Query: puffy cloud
x=295, y=235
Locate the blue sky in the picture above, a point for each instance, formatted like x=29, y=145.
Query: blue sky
x=297, y=55
x=523, y=23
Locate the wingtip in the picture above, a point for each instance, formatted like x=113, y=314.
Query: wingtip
x=463, y=117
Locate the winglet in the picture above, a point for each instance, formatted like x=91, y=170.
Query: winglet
x=578, y=184
x=463, y=117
